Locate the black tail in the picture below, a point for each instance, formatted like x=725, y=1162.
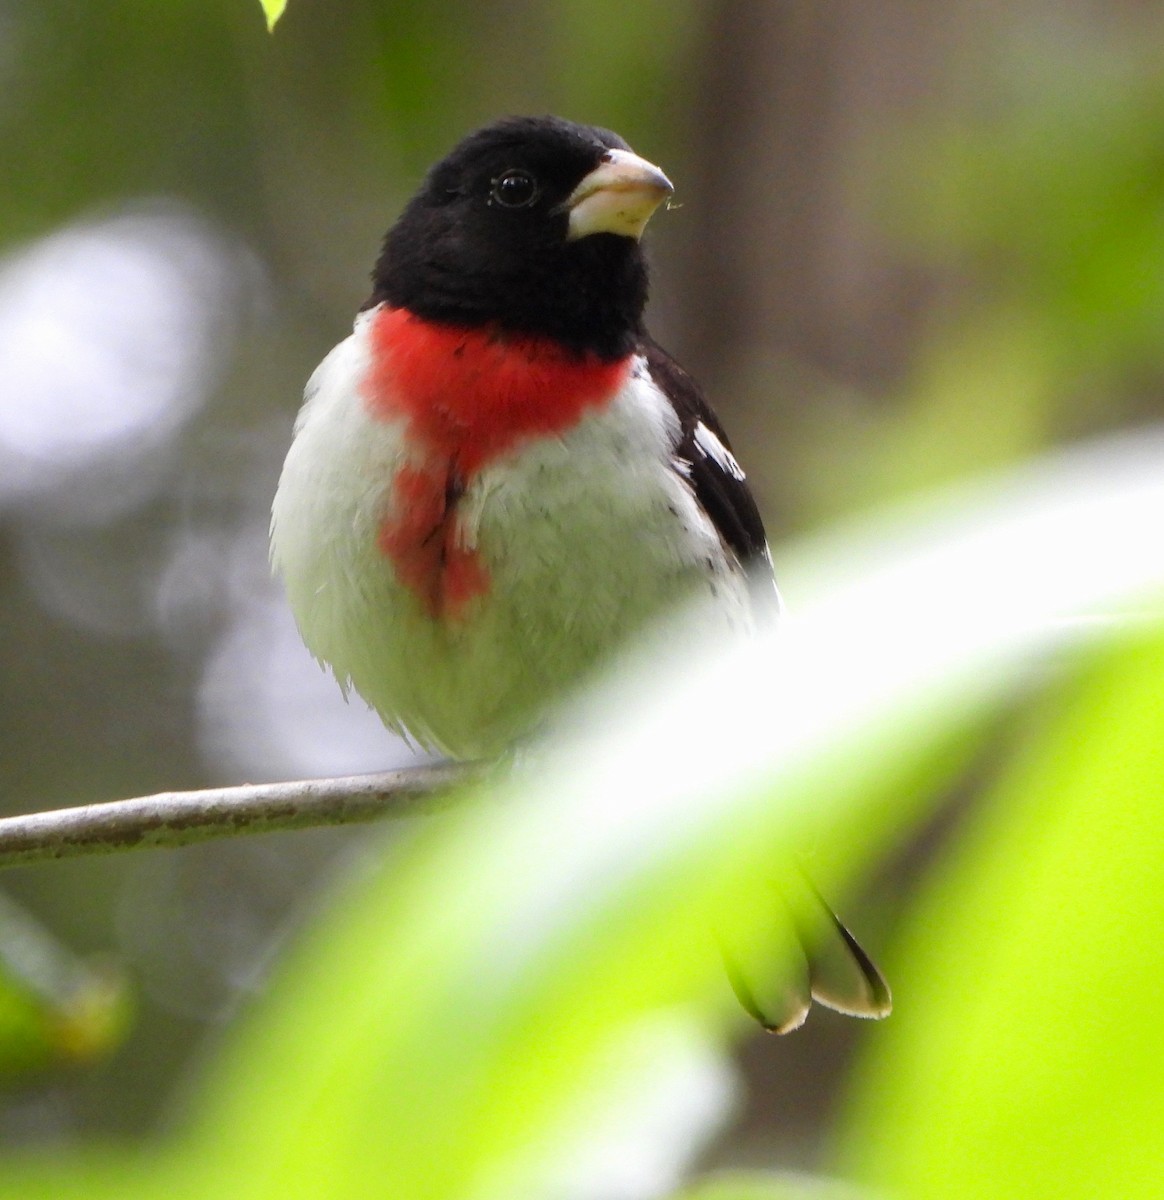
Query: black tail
x=825, y=963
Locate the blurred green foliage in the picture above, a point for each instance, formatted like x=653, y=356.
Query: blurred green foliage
x=522, y=979
x=55, y=1011
x=1041, y=202
x=273, y=10
x=1030, y=1059
x=745, y=1186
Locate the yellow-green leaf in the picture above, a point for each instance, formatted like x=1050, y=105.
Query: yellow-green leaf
x=1027, y=1055
x=55, y=1011
x=274, y=10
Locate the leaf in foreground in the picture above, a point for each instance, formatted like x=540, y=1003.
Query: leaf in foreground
x=273, y=9
x=1029, y=1058
x=460, y=1021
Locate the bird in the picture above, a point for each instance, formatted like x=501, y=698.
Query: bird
x=499, y=479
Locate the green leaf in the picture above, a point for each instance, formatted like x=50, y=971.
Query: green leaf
x=756, y=1185
x=55, y=1011
x=455, y=1026
x=524, y=996
x=1028, y=1055
x=273, y=10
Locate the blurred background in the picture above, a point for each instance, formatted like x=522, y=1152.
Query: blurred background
x=912, y=241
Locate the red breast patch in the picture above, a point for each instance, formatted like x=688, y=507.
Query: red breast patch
x=469, y=396
x=421, y=539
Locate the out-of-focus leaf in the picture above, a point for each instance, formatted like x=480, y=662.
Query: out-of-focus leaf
x=1027, y=1058
x=55, y=1011
x=430, y=1037
x=755, y=1185
x=273, y=9
x=105, y=1174
x=474, y=1019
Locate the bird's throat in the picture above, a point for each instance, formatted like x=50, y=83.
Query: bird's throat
x=469, y=397
x=473, y=395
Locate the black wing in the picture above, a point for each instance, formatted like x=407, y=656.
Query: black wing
x=706, y=459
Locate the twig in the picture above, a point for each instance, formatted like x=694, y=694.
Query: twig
x=183, y=818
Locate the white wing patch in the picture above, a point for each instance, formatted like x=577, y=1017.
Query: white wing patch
x=717, y=452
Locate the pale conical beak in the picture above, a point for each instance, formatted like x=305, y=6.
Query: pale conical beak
x=618, y=196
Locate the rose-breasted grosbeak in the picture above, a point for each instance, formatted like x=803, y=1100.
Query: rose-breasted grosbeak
x=499, y=478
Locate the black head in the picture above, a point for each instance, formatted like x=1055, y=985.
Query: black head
x=531, y=224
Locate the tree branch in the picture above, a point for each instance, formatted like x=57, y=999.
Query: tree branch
x=183, y=818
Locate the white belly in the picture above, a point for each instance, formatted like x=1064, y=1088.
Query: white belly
x=584, y=538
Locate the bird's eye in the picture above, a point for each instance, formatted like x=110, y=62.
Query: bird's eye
x=514, y=189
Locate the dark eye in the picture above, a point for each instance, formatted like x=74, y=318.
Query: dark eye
x=514, y=189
